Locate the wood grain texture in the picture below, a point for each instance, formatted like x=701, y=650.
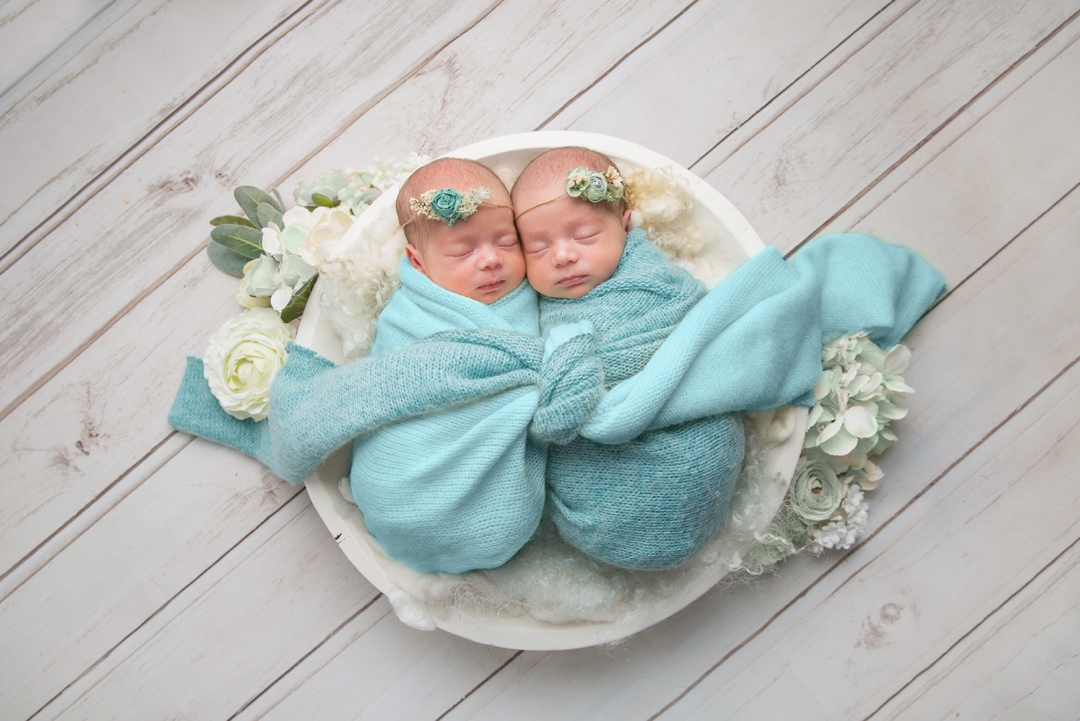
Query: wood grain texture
x=32, y=30
x=68, y=434
x=118, y=101
x=124, y=568
x=548, y=53
x=139, y=591
x=879, y=105
x=882, y=621
x=192, y=666
x=391, y=671
x=246, y=133
x=947, y=417
x=718, y=65
x=1021, y=662
x=96, y=419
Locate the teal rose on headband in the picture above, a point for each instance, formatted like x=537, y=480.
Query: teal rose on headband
x=596, y=190
x=445, y=204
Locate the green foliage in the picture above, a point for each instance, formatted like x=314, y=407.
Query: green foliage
x=249, y=198
x=226, y=260
x=240, y=239
x=323, y=201
x=296, y=306
x=231, y=220
x=269, y=214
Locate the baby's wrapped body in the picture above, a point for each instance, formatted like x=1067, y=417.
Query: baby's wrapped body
x=754, y=341
x=655, y=501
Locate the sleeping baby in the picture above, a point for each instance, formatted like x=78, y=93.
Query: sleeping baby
x=655, y=501
x=426, y=495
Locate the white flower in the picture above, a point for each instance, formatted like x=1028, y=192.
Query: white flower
x=242, y=360
x=846, y=526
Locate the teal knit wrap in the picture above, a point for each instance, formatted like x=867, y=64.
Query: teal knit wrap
x=754, y=341
x=655, y=501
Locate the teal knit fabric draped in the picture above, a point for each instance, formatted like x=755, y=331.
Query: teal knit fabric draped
x=754, y=341
x=653, y=502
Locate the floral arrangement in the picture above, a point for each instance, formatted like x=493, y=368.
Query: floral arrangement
x=826, y=504
x=594, y=187
x=448, y=204
x=277, y=254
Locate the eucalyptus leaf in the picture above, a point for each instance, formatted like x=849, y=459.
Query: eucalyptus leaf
x=269, y=214
x=239, y=239
x=249, y=198
x=231, y=220
x=280, y=204
x=323, y=201
x=226, y=260
x=298, y=303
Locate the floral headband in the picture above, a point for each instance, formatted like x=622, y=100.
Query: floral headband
x=449, y=205
x=589, y=185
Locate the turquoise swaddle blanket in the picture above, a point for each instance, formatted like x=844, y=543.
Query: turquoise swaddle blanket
x=754, y=341
x=655, y=501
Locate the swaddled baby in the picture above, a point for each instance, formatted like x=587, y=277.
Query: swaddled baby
x=655, y=501
x=460, y=489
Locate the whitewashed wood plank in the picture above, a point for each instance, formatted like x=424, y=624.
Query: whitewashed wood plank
x=391, y=671
x=557, y=50
x=126, y=567
x=1020, y=663
x=977, y=165
x=718, y=65
x=31, y=30
x=100, y=415
x=194, y=666
x=86, y=418
x=652, y=668
x=63, y=129
x=248, y=132
x=865, y=117
x=961, y=550
x=930, y=439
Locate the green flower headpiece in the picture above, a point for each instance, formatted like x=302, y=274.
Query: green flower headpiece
x=594, y=187
x=589, y=185
x=448, y=205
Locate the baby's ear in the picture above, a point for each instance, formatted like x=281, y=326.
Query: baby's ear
x=415, y=259
x=626, y=220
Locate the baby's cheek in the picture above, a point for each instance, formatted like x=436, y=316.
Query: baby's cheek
x=537, y=272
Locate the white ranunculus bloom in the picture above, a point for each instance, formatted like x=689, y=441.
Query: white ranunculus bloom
x=242, y=360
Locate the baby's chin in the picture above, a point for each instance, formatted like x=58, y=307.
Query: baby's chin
x=572, y=292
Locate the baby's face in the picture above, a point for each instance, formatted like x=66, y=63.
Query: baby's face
x=479, y=257
x=571, y=246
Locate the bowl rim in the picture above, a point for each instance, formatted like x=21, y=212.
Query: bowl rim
x=400, y=583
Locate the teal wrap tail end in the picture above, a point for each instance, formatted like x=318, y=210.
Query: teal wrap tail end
x=197, y=411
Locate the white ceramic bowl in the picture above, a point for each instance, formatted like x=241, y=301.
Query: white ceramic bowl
x=731, y=240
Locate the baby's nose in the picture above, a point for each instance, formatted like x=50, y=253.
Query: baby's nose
x=489, y=258
x=565, y=253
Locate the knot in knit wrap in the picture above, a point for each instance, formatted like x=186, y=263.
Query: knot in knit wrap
x=567, y=371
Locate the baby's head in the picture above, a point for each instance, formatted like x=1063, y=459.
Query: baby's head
x=465, y=240
x=573, y=235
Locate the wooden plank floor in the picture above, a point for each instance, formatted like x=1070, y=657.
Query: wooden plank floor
x=144, y=574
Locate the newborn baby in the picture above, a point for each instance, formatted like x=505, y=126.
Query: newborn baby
x=655, y=501
x=426, y=495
